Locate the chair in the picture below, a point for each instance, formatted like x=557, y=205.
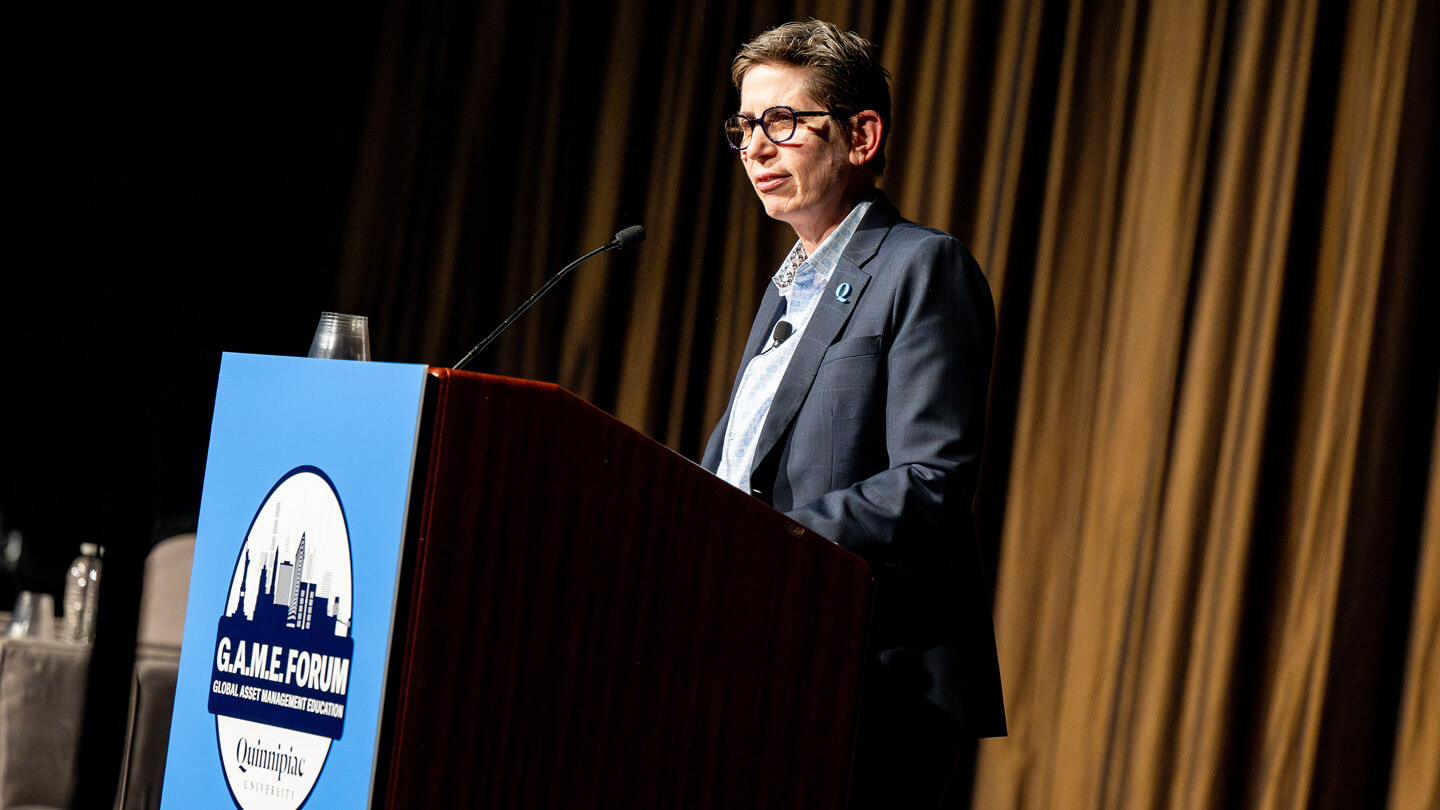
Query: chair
x=164, y=592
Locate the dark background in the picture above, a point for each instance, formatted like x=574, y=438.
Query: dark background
x=174, y=185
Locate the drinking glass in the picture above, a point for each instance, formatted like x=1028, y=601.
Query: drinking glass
x=34, y=616
x=341, y=337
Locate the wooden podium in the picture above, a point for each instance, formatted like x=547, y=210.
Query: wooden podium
x=586, y=619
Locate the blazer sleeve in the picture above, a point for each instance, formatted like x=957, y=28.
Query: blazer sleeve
x=939, y=335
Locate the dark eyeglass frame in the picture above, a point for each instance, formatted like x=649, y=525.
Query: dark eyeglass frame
x=795, y=116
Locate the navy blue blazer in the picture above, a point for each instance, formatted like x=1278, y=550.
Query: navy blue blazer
x=873, y=440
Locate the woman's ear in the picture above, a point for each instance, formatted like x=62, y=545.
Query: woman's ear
x=866, y=129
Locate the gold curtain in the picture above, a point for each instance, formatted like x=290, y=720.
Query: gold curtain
x=1212, y=467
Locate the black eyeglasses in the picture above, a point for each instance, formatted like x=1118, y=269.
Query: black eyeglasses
x=777, y=122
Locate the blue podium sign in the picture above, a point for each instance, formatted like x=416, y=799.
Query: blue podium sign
x=292, y=593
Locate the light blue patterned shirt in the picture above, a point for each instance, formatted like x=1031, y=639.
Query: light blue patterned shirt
x=762, y=376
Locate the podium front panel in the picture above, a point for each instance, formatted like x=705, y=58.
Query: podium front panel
x=292, y=593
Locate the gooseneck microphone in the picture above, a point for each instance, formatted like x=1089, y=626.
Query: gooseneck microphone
x=629, y=237
x=626, y=238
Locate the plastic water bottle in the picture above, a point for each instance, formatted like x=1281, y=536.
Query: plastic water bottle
x=82, y=595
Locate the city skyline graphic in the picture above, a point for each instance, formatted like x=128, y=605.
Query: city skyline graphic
x=286, y=600
x=287, y=575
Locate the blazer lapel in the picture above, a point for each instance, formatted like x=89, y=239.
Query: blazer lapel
x=829, y=318
x=772, y=303
x=831, y=315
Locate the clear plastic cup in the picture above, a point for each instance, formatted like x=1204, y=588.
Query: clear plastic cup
x=34, y=616
x=341, y=337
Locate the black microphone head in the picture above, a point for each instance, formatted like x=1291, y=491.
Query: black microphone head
x=783, y=330
x=630, y=237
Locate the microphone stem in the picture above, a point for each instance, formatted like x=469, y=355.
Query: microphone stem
x=505, y=324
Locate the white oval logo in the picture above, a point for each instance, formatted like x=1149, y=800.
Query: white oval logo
x=283, y=647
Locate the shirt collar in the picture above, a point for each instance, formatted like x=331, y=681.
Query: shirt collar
x=801, y=270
